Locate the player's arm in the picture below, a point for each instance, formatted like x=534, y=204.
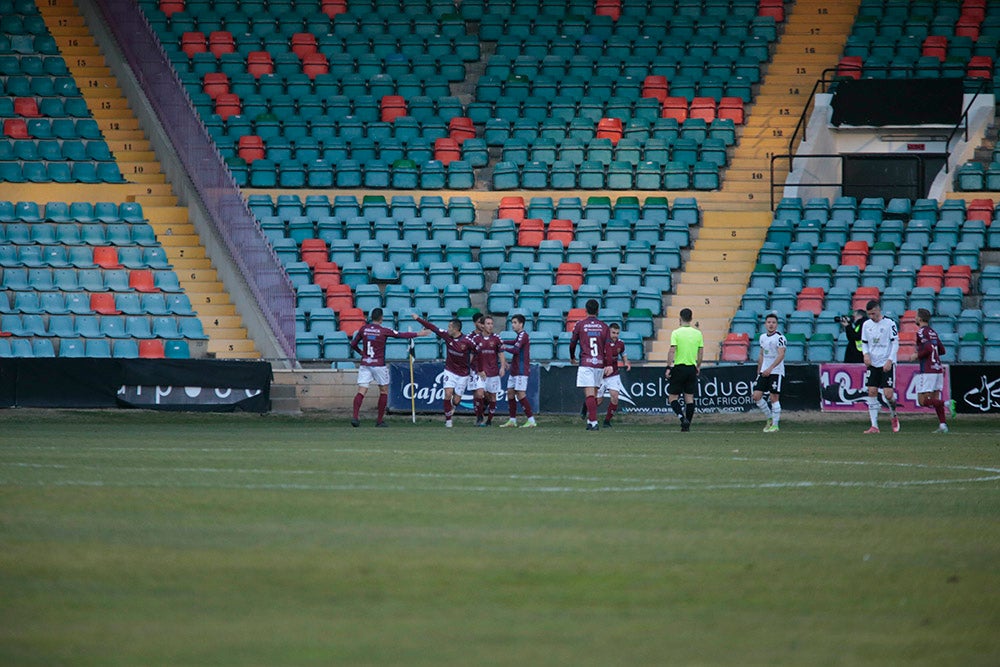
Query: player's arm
x=893, y=350
x=356, y=343
x=701, y=354
x=760, y=361
x=866, y=350
x=573, y=340
x=430, y=327
x=628, y=364
x=670, y=358
x=778, y=358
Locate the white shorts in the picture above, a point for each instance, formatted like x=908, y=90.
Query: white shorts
x=377, y=374
x=589, y=377
x=613, y=383
x=517, y=383
x=456, y=382
x=491, y=384
x=476, y=383
x=926, y=383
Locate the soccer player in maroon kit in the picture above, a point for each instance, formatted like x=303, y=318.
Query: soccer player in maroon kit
x=475, y=382
x=930, y=380
x=456, y=363
x=614, y=349
x=592, y=335
x=492, y=364
x=520, y=368
x=369, y=342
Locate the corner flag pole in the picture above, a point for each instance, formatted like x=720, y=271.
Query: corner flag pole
x=413, y=393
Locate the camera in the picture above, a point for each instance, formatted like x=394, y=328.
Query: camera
x=842, y=319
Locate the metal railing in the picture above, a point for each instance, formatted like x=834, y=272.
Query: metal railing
x=827, y=78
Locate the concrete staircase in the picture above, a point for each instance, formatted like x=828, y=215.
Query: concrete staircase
x=735, y=220
x=146, y=182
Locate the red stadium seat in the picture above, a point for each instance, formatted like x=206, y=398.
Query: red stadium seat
x=855, y=253
x=610, y=128
x=676, y=108
x=326, y=273
x=731, y=108
x=250, y=147
x=930, y=275
x=980, y=67
x=228, y=104
x=560, y=230
x=214, y=84
x=907, y=344
x=656, y=86
x=570, y=273
x=151, y=348
x=193, y=42
x=392, y=107
x=980, y=209
x=850, y=67
x=171, y=7
x=735, y=347
x=333, y=7
x=773, y=8
x=573, y=316
x=141, y=280
x=259, y=63
x=511, y=208
x=314, y=252
x=16, y=128
x=103, y=303
x=702, y=107
x=936, y=46
x=862, y=296
x=530, y=232
x=26, y=107
x=106, y=257
x=303, y=43
x=958, y=275
x=446, y=150
x=339, y=297
x=351, y=319
x=221, y=41
x=461, y=128
x=811, y=299
x=314, y=64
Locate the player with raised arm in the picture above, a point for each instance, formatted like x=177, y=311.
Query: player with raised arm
x=591, y=334
x=613, y=350
x=456, y=363
x=880, y=345
x=520, y=368
x=770, y=373
x=369, y=342
x=930, y=380
x=492, y=365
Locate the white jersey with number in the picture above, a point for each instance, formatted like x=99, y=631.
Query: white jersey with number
x=880, y=340
x=770, y=346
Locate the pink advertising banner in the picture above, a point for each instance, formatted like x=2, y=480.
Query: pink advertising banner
x=842, y=387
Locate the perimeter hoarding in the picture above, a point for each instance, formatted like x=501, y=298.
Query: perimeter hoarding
x=976, y=388
x=428, y=389
x=843, y=388
x=720, y=389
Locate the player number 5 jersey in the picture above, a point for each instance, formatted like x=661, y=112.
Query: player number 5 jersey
x=770, y=345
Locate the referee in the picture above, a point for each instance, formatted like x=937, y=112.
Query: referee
x=683, y=365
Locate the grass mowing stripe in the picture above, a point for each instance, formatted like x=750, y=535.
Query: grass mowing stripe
x=416, y=546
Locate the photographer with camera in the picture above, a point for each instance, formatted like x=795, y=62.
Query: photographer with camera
x=852, y=327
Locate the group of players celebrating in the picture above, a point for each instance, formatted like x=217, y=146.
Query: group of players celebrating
x=478, y=361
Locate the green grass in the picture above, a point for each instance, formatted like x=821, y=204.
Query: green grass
x=130, y=538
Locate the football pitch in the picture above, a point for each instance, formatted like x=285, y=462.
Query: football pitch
x=137, y=538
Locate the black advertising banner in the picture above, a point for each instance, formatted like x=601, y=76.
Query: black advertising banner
x=202, y=385
x=879, y=102
x=182, y=384
x=976, y=389
x=429, y=392
x=720, y=389
x=67, y=383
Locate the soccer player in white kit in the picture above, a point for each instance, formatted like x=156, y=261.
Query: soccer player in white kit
x=770, y=373
x=880, y=345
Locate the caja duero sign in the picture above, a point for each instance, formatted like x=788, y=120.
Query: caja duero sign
x=428, y=390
